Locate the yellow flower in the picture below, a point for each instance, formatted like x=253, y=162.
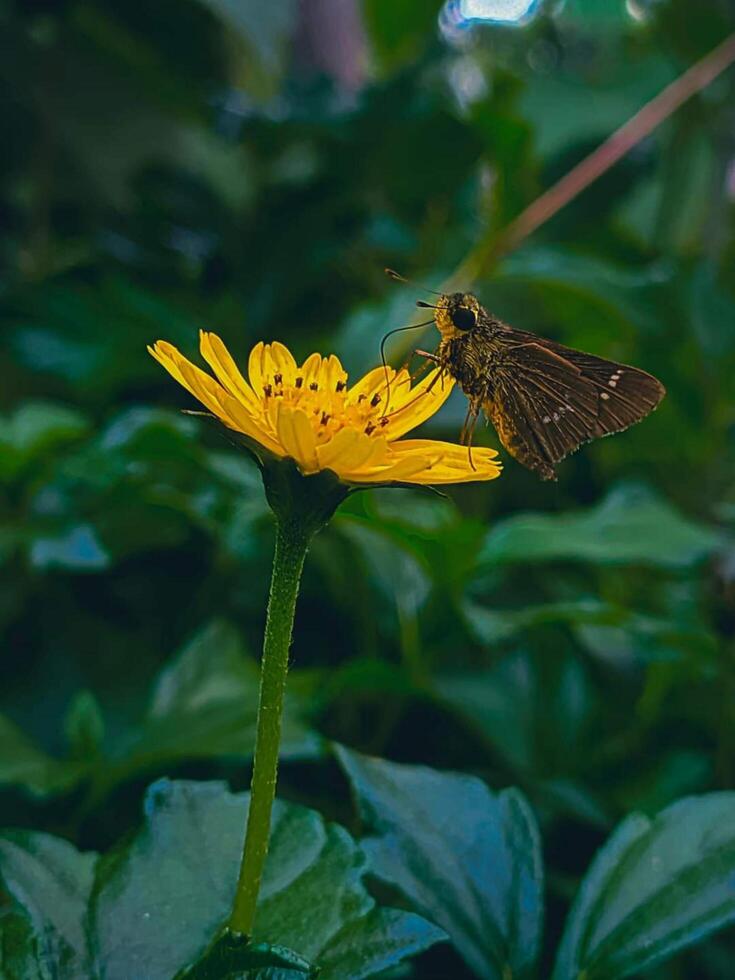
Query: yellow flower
x=310, y=414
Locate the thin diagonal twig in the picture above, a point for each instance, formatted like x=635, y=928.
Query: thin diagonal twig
x=696, y=78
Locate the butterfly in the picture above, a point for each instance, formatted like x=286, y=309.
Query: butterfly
x=545, y=400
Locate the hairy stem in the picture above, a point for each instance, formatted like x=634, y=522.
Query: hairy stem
x=292, y=541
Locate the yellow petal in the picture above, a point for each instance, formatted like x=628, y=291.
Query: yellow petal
x=369, y=384
x=450, y=452
x=331, y=373
x=423, y=402
x=234, y=415
x=199, y=384
x=257, y=368
x=221, y=362
x=349, y=450
x=401, y=390
x=211, y=394
x=278, y=359
x=297, y=438
x=447, y=462
x=167, y=356
x=398, y=470
x=398, y=392
x=311, y=369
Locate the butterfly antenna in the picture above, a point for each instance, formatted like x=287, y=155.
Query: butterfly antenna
x=409, y=282
x=411, y=326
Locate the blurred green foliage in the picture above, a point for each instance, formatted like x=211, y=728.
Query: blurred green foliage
x=251, y=169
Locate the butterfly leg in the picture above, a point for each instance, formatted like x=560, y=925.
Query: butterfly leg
x=411, y=378
x=416, y=374
x=468, y=429
x=428, y=356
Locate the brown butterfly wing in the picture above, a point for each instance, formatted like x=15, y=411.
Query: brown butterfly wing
x=541, y=406
x=626, y=394
x=546, y=400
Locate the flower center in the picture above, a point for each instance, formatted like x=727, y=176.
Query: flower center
x=331, y=406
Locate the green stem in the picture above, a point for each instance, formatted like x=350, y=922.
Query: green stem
x=292, y=540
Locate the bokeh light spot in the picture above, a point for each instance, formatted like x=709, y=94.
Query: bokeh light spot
x=498, y=11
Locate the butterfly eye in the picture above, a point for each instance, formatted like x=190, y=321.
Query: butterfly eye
x=464, y=318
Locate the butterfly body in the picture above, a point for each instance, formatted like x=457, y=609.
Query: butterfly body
x=545, y=400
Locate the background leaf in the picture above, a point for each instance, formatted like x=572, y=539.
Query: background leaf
x=160, y=900
x=629, y=526
x=464, y=857
x=51, y=883
x=25, y=764
x=204, y=704
x=655, y=887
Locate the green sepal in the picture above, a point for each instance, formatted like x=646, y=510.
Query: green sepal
x=304, y=502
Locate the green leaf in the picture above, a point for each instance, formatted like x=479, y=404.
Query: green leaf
x=34, y=428
x=530, y=708
x=84, y=726
x=393, y=567
x=572, y=287
x=399, y=30
x=631, y=526
x=595, y=14
x=637, y=638
x=566, y=110
x=466, y=858
x=18, y=949
x=711, y=307
x=657, y=886
x=23, y=763
x=50, y=882
x=611, y=632
x=265, y=31
x=204, y=704
x=160, y=900
x=233, y=953
x=496, y=625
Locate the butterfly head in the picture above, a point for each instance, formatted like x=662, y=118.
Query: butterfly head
x=456, y=313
